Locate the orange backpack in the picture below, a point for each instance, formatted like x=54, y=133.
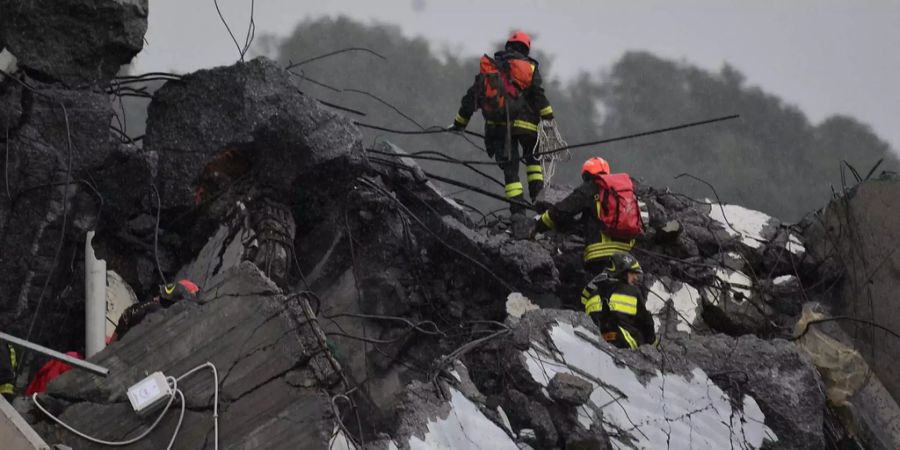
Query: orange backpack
x=504, y=81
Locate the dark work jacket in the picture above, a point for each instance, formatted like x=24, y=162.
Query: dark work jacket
x=7, y=368
x=581, y=207
x=134, y=314
x=640, y=325
x=525, y=120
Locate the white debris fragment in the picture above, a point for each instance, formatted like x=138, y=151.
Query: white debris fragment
x=794, y=245
x=739, y=282
x=465, y=427
x=339, y=441
x=685, y=300
x=645, y=212
x=784, y=279
x=517, y=305
x=527, y=434
x=746, y=224
x=456, y=375
x=505, y=419
x=669, y=408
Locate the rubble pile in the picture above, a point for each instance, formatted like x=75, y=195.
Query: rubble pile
x=347, y=302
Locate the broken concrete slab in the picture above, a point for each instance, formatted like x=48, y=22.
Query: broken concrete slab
x=568, y=388
x=57, y=136
x=119, y=296
x=853, y=242
x=284, y=133
x=75, y=41
x=267, y=340
x=715, y=407
x=17, y=434
x=426, y=421
x=523, y=264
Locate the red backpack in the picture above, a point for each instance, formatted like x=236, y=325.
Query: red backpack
x=617, y=207
x=504, y=81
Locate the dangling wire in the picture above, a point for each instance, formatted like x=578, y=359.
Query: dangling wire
x=549, y=140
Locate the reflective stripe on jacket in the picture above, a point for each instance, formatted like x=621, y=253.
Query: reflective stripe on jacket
x=627, y=317
x=536, y=106
x=584, y=200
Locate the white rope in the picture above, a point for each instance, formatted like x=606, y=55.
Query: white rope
x=175, y=392
x=548, y=140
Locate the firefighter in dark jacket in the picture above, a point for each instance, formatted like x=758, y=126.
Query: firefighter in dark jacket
x=509, y=92
x=617, y=306
x=8, y=364
x=582, y=205
x=169, y=294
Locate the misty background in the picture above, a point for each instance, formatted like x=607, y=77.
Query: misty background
x=807, y=78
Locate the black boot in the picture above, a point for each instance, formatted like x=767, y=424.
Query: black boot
x=534, y=188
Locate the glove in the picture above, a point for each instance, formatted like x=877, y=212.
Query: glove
x=602, y=279
x=548, y=118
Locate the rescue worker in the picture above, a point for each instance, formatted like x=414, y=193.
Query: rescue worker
x=169, y=294
x=585, y=201
x=509, y=92
x=614, y=302
x=8, y=365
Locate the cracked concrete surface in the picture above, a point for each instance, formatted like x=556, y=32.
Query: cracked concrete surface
x=335, y=309
x=260, y=346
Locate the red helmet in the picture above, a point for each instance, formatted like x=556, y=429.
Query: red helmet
x=520, y=37
x=177, y=291
x=595, y=166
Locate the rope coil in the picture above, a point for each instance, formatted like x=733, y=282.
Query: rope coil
x=550, y=148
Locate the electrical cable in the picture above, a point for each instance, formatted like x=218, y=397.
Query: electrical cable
x=641, y=134
x=251, y=31
x=147, y=77
x=162, y=277
x=522, y=203
x=62, y=232
x=224, y=22
x=336, y=52
x=435, y=235
x=174, y=384
x=180, y=419
x=414, y=132
x=454, y=160
x=386, y=103
x=409, y=323
x=215, y=372
x=443, y=158
x=568, y=147
x=847, y=318
x=447, y=159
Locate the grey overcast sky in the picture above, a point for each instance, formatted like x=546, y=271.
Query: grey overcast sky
x=825, y=56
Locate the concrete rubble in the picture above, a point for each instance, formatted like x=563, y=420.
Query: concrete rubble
x=348, y=302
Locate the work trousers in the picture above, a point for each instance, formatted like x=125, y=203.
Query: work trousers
x=522, y=144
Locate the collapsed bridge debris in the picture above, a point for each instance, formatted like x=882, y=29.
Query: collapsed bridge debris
x=346, y=301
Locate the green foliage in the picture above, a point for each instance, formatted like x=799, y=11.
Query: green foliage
x=772, y=159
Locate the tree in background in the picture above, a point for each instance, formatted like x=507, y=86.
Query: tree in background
x=771, y=159
x=422, y=83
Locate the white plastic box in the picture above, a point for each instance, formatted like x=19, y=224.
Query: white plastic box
x=149, y=393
